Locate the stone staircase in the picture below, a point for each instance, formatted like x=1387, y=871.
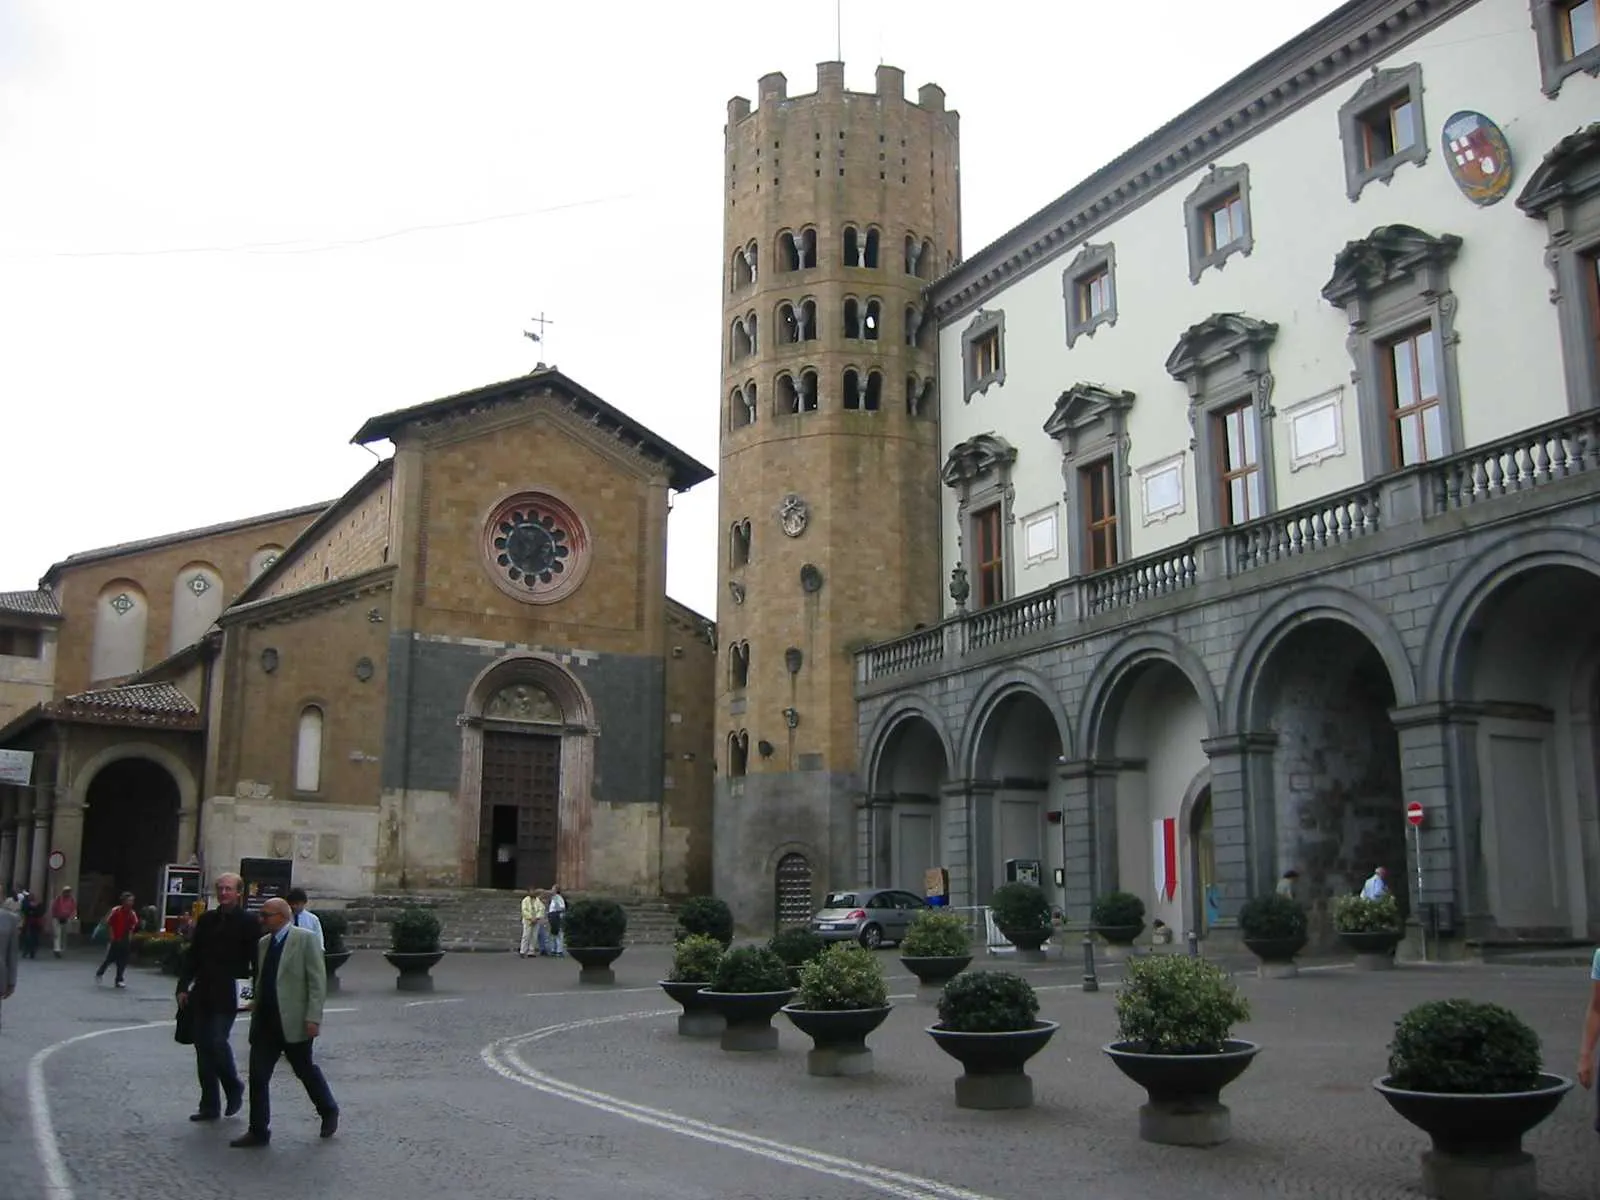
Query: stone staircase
x=488, y=919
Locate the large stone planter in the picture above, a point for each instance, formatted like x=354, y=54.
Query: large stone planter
x=1119, y=935
x=934, y=971
x=749, y=1017
x=992, y=1064
x=1374, y=948
x=1276, y=955
x=332, y=960
x=594, y=963
x=698, y=1019
x=1029, y=942
x=1477, y=1139
x=413, y=969
x=1184, y=1091
x=838, y=1037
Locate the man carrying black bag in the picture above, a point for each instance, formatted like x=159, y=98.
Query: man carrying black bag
x=221, y=952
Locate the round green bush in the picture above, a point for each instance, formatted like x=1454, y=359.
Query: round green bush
x=988, y=1002
x=594, y=923
x=414, y=931
x=707, y=916
x=936, y=934
x=1020, y=906
x=750, y=969
x=1174, y=1004
x=1463, y=1046
x=1354, y=914
x=1117, y=910
x=796, y=945
x=695, y=959
x=844, y=976
x=334, y=927
x=1270, y=917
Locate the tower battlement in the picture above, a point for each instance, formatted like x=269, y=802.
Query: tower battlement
x=773, y=90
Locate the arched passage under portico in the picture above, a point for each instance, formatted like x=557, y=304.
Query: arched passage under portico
x=905, y=802
x=1013, y=786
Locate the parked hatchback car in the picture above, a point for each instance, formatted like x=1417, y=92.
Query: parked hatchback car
x=871, y=916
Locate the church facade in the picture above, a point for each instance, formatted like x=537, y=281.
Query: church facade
x=463, y=672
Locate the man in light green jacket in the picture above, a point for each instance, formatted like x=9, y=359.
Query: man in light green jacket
x=285, y=1019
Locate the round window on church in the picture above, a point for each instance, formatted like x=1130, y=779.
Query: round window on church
x=536, y=547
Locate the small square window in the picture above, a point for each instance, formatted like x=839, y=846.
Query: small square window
x=986, y=354
x=1223, y=222
x=1217, y=216
x=1579, y=28
x=1381, y=126
x=1089, y=287
x=983, y=352
x=1387, y=130
x=1568, y=36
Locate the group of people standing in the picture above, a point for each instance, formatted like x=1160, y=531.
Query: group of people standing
x=33, y=913
x=543, y=910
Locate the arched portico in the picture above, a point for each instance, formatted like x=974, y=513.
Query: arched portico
x=527, y=775
x=908, y=767
x=136, y=802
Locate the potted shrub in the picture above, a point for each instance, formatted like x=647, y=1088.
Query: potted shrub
x=796, y=946
x=1023, y=915
x=334, y=953
x=1470, y=1076
x=1372, y=928
x=707, y=916
x=1274, y=929
x=843, y=997
x=414, y=949
x=1118, y=917
x=1174, y=1017
x=937, y=947
x=989, y=1023
x=593, y=928
x=694, y=966
x=749, y=988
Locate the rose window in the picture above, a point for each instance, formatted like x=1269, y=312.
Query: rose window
x=536, y=548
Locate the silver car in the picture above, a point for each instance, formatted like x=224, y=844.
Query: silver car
x=872, y=916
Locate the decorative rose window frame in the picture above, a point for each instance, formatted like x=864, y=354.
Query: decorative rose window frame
x=569, y=530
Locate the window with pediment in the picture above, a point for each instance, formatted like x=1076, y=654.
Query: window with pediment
x=1090, y=421
x=979, y=472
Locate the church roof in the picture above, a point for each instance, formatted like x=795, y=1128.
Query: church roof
x=686, y=471
x=36, y=603
x=135, y=700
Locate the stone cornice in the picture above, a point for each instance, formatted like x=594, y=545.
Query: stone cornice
x=294, y=606
x=1329, y=53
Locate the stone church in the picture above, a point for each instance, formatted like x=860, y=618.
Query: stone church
x=463, y=672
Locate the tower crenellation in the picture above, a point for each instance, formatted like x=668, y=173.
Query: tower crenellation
x=839, y=209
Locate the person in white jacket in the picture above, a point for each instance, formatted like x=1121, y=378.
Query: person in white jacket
x=533, y=915
x=557, y=909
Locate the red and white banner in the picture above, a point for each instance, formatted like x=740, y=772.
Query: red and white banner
x=1165, y=843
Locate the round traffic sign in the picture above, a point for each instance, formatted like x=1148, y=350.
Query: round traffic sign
x=57, y=860
x=1414, y=812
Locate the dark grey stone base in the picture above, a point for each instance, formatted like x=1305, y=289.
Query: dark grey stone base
x=414, y=983
x=701, y=1024
x=1208, y=1125
x=994, y=1091
x=596, y=975
x=1486, y=1177
x=1277, y=970
x=1030, y=956
x=839, y=1060
x=1374, y=962
x=750, y=1037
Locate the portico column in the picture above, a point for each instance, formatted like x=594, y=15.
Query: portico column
x=1437, y=748
x=1081, y=852
x=67, y=832
x=1243, y=818
x=968, y=836
x=41, y=849
x=8, y=836
x=21, y=856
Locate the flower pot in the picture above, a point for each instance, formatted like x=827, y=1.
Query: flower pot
x=1119, y=935
x=1374, y=947
x=992, y=1075
x=838, y=1037
x=332, y=960
x=414, y=968
x=1028, y=942
x=935, y=971
x=1477, y=1138
x=697, y=1018
x=594, y=962
x=1276, y=955
x=749, y=1017
x=1184, y=1105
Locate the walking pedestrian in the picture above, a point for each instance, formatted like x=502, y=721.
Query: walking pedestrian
x=1377, y=885
x=555, y=913
x=221, y=952
x=303, y=917
x=285, y=1020
x=62, y=913
x=122, y=922
x=32, y=912
x=10, y=947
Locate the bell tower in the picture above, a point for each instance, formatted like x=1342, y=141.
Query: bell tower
x=838, y=209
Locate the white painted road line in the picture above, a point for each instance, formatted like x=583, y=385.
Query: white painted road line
x=504, y=1058
x=610, y=991
x=420, y=1003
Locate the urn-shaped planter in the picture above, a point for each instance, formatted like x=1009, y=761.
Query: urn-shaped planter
x=594, y=963
x=992, y=1063
x=838, y=1037
x=1184, y=1105
x=936, y=970
x=332, y=960
x=1029, y=942
x=414, y=969
x=749, y=1017
x=1276, y=955
x=1374, y=948
x=1119, y=935
x=698, y=1019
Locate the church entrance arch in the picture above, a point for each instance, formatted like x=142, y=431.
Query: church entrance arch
x=130, y=831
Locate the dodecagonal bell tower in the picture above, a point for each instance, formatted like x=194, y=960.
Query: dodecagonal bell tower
x=839, y=207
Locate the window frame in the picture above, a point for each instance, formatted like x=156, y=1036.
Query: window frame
x=1391, y=372
x=979, y=471
x=1090, y=423
x=1213, y=187
x=1554, y=68
x=319, y=786
x=1103, y=469
x=982, y=325
x=1091, y=261
x=986, y=521
x=1381, y=89
x=18, y=635
x=1224, y=473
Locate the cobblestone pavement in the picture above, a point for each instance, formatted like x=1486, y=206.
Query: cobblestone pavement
x=448, y=1094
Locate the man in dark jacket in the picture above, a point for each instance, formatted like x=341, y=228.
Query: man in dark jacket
x=221, y=951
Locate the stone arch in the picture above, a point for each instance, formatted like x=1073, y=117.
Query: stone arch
x=1511, y=556
x=197, y=602
x=806, y=850
x=1129, y=654
x=122, y=615
x=78, y=798
x=577, y=729
x=995, y=689
x=1301, y=607
x=903, y=707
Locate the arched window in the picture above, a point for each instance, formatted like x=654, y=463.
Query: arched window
x=873, y=321
x=120, y=616
x=869, y=252
x=919, y=396
x=872, y=398
x=262, y=559
x=852, y=318
x=788, y=252
x=852, y=246
x=741, y=275
x=808, y=248
x=740, y=343
x=913, y=256
x=738, y=753
x=808, y=391
x=788, y=325
x=196, y=604
x=750, y=329
x=787, y=400
x=742, y=406
x=852, y=390
x=916, y=323
x=739, y=543
x=808, y=320
x=308, y=750
x=738, y=664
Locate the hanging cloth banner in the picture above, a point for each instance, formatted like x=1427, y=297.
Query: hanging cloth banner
x=1165, y=844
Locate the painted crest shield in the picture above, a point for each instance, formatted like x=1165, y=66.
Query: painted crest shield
x=1478, y=157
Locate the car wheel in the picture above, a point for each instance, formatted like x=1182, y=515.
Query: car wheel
x=872, y=937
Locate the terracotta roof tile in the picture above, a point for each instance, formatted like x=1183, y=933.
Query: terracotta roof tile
x=137, y=699
x=35, y=603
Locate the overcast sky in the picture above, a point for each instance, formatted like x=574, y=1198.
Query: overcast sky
x=230, y=232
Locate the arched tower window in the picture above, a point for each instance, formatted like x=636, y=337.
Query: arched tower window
x=742, y=406
x=873, y=320
x=308, y=750
x=739, y=543
x=797, y=251
x=750, y=330
x=915, y=324
x=738, y=665
x=852, y=390
x=808, y=320
x=808, y=249
x=852, y=317
x=786, y=399
x=919, y=396
x=863, y=393
x=738, y=753
x=913, y=255
x=788, y=325
x=869, y=252
x=872, y=398
x=809, y=394
x=744, y=267
x=925, y=263
x=852, y=246
x=741, y=344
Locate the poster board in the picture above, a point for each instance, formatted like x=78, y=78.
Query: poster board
x=180, y=892
x=265, y=878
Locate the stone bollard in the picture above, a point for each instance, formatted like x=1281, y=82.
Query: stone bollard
x=1090, y=982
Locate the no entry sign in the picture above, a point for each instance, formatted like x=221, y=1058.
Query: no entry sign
x=1414, y=812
